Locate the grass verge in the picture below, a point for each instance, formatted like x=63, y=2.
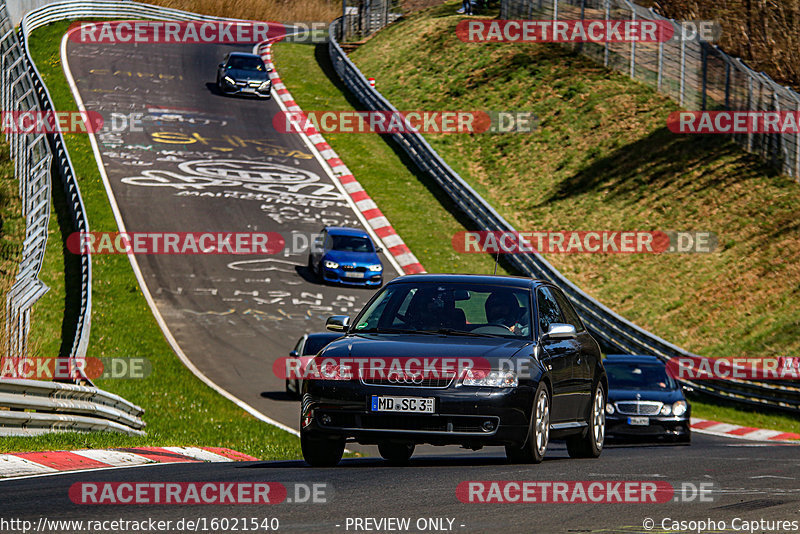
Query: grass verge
x=601, y=160
x=180, y=410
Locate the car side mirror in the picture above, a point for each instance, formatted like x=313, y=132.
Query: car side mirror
x=293, y=354
x=269, y=70
x=560, y=331
x=221, y=65
x=378, y=250
x=338, y=323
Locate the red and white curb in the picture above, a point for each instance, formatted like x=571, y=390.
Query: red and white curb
x=369, y=210
x=24, y=464
x=716, y=428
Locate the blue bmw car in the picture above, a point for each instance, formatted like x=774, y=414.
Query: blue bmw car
x=346, y=256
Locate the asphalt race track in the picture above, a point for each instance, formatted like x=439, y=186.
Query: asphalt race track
x=200, y=161
x=752, y=481
x=204, y=162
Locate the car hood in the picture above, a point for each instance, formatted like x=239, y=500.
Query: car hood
x=616, y=395
x=247, y=75
x=358, y=258
x=423, y=346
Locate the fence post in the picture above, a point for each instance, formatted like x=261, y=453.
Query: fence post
x=555, y=9
x=633, y=47
x=704, y=66
x=727, y=85
x=343, y=27
x=750, y=108
x=608, y=14
x=683, y=70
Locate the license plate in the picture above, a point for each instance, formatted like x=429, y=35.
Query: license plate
x=403, y=404
x=639, y=421
x=352, y=274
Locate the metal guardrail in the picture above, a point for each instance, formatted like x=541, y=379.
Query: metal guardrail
x=616, y=332
x=697, y=74
x=28, y=406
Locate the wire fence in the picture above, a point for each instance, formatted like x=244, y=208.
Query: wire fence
x=695, y=73
x=362, y=18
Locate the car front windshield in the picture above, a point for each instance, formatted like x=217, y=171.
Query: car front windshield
x=246, y=63
x=352, y=243
x=449, y=308
x=639, y=376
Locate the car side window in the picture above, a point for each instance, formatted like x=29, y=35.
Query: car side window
x=570, y=315
x=549, y=312
x=327, y=243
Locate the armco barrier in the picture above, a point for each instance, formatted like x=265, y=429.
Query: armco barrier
x=31, y=155
x=33, y=406
x=617, y=332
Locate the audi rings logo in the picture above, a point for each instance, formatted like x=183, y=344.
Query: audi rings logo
x=398, y=378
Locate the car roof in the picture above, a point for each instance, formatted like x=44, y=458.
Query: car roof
x=343, y=230
x=243, y=54
x=632, y=358
x=430, y=278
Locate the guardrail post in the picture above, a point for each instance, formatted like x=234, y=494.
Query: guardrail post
x=633, y=47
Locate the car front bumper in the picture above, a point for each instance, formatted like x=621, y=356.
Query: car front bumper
x=245, y=89
x=339, y=276
x=468, y=416
x=618, y=426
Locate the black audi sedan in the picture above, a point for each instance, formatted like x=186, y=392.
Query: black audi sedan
x=644, y=401
x=243, y=73
x=449, y=359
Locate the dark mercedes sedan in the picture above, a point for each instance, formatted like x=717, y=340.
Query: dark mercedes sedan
x=644, y=401
x=243, y=73
x=468, y=360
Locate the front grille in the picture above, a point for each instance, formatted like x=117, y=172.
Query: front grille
x=354, y=268
x=639, y=407
x=412, y=423
x=409, y=382
x=254, y=84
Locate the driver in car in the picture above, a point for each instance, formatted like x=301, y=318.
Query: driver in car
x=502, y=308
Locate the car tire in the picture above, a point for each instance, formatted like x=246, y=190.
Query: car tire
x=314, y=273
x=590, y=444
x=396, y=453
x=535, y=446
x=321, y=451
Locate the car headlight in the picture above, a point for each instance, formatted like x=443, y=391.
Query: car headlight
x=230, y=80
x=376, y=268
x=609, y=408
x=666, y=410
x=679, y=408
x=264, y=86
x=331, y=264
x=492, y=379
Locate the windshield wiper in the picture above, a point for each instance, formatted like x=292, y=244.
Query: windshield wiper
x=451, y=332
x=384, y=330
